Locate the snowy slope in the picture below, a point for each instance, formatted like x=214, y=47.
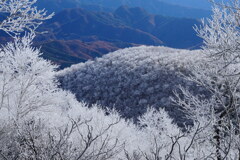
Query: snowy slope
x=132, y=79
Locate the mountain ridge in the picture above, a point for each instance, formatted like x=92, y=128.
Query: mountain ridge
x=125, y=27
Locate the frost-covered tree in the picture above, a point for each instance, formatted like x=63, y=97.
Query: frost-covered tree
x=21, y=16
x=27, y=81
x=159, y=131
x=218, y=73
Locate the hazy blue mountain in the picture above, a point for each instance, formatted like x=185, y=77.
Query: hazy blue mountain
x=76, y=35
x=80, y=23
x=152, y=6
x=131, y=25
x=174, y=32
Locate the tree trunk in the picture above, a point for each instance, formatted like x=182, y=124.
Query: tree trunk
x=218, y=140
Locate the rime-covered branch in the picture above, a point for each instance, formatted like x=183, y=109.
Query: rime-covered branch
x=21, y=16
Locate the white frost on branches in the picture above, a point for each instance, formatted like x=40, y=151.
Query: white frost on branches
x=218, y=73
x=21, y=16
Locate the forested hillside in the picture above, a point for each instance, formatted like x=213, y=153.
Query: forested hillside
x=132, y=79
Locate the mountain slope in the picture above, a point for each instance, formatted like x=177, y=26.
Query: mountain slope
x=69, y=52
x=79, y=23
x=131, y=79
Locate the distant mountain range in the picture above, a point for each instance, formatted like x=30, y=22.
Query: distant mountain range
x=75, y=35
x=174, y=32
x=175, y=8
